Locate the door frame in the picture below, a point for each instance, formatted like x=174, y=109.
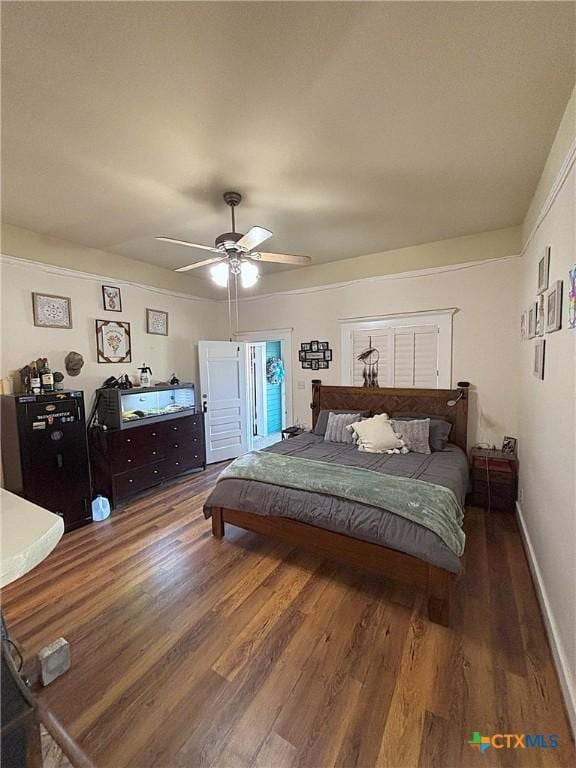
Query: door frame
x=284, y=336
x=260, y=386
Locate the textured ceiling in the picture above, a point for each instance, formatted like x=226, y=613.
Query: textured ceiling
x=350, y=128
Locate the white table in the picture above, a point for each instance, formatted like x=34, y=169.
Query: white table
x=29, y=533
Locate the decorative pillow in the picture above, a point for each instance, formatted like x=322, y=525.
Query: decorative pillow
x=376, y=435
x=322, y=420
x=439, y=428
x=415, y=433
x=336, y=431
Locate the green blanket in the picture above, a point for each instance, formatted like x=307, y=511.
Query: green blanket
x=427, y=504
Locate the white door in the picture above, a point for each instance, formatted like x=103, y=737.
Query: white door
x=224, y=397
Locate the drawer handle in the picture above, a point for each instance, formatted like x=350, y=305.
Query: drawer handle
x=130, y=481
x=156, y=471
x=195, y=440
x=177, y=463
x=195, y=455
x=129, y=440
x=153, y=434
x=129, y=461
x=176, y=445
x=154, y=453
x=175, y=429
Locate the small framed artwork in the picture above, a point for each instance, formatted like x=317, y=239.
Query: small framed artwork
x=51, y=311
x=305, y=346
x=315, y=364
x=509, y=445
x=301, y=355
x=539, y=353
x=524, y=325
x=328, y=355
x=112, y=298
x=314, y=346
x=322, y=345
x=554, y=307
x=532, y=316
x=322, y=363
x=113, y=342
x=572, y=298
x=306, y=363
x=540, y=316
x=543, y=271
x=157, y=322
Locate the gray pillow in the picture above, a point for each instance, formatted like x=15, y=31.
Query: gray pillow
x=336, y=431
x=322, y=421
x=414, y=432
x=439, y=428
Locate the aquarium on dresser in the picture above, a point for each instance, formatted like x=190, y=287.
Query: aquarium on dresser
x=124, y=408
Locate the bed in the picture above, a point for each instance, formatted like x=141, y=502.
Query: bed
x=352, y=530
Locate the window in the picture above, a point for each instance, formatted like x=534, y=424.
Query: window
x=399, y=351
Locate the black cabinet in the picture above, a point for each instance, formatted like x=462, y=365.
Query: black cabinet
x=45, y=453
x=126, y=461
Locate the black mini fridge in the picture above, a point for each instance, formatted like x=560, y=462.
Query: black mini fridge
x=45, y=452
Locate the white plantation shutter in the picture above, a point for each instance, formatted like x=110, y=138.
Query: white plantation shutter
x=380, y=340
x=409, y=354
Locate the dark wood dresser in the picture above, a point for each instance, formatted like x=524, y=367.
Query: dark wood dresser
x=126, y=461
x=494, y=479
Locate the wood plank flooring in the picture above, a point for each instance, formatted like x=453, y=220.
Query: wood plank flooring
x=245, y=653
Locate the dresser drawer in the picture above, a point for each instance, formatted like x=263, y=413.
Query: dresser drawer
x=138, y=456
x=176, y=466
x=128, y=440
x=136, y=480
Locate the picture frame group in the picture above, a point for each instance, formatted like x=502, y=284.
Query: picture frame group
x=315, y=355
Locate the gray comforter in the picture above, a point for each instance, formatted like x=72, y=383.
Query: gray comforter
x=448, y=468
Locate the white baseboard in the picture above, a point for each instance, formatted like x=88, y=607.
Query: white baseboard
x=558, y=652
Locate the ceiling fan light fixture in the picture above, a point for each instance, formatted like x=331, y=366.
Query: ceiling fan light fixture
x=219, y=273
x=249, y=274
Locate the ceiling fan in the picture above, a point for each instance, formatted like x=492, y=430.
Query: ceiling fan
x=236, y=252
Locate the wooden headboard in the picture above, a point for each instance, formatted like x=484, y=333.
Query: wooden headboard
x=387, y=400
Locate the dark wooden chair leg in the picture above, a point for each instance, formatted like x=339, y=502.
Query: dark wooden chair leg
x=217, y=523
x=439, y=582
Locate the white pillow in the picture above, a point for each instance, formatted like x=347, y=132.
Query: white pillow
x=376, y=435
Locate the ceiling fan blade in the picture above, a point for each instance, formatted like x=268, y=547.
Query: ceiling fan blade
x=253, y=238
x=280, y=258
x=197, y=264
x=187, y=244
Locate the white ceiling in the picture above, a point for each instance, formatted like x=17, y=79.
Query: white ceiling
x=350, y=128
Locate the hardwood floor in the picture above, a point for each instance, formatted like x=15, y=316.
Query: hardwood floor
x=188, y=651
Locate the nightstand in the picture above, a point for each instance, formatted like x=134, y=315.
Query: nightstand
x=494, y=479
x=292, y=432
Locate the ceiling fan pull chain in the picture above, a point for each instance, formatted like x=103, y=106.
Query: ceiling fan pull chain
x=229, y=311
x=236, y=291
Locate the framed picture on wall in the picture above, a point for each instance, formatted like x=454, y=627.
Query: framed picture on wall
x=113, y=342
x=157, y=322
x=51, y=311
x=539, y=352
x=554, y=307
x=112, y=298
x=544, y=270
x=532, y=317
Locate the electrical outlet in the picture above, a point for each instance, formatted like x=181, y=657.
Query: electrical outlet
x=301, y=385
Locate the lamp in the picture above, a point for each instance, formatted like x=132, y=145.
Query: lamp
x=248, y=274
x=462, y=386
x=219, y=274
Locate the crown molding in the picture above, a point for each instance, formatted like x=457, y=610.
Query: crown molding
x=424, y=272
x=5, y=259
x=555, y=190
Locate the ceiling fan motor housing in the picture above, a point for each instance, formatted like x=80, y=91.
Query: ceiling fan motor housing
x=228, y=240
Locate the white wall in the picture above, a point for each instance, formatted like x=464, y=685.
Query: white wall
x=547, y=440
x=21, y=341
x=485, y=336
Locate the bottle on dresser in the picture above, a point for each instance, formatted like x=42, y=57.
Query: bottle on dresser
x=47, y=378
x=35, y=381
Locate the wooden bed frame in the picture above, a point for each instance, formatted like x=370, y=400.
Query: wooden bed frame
x=436, y=581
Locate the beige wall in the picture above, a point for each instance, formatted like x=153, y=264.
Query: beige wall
x=24, y=244
x=547, y=440
x=485, y=335
x=457, y=250
x=189, y=320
